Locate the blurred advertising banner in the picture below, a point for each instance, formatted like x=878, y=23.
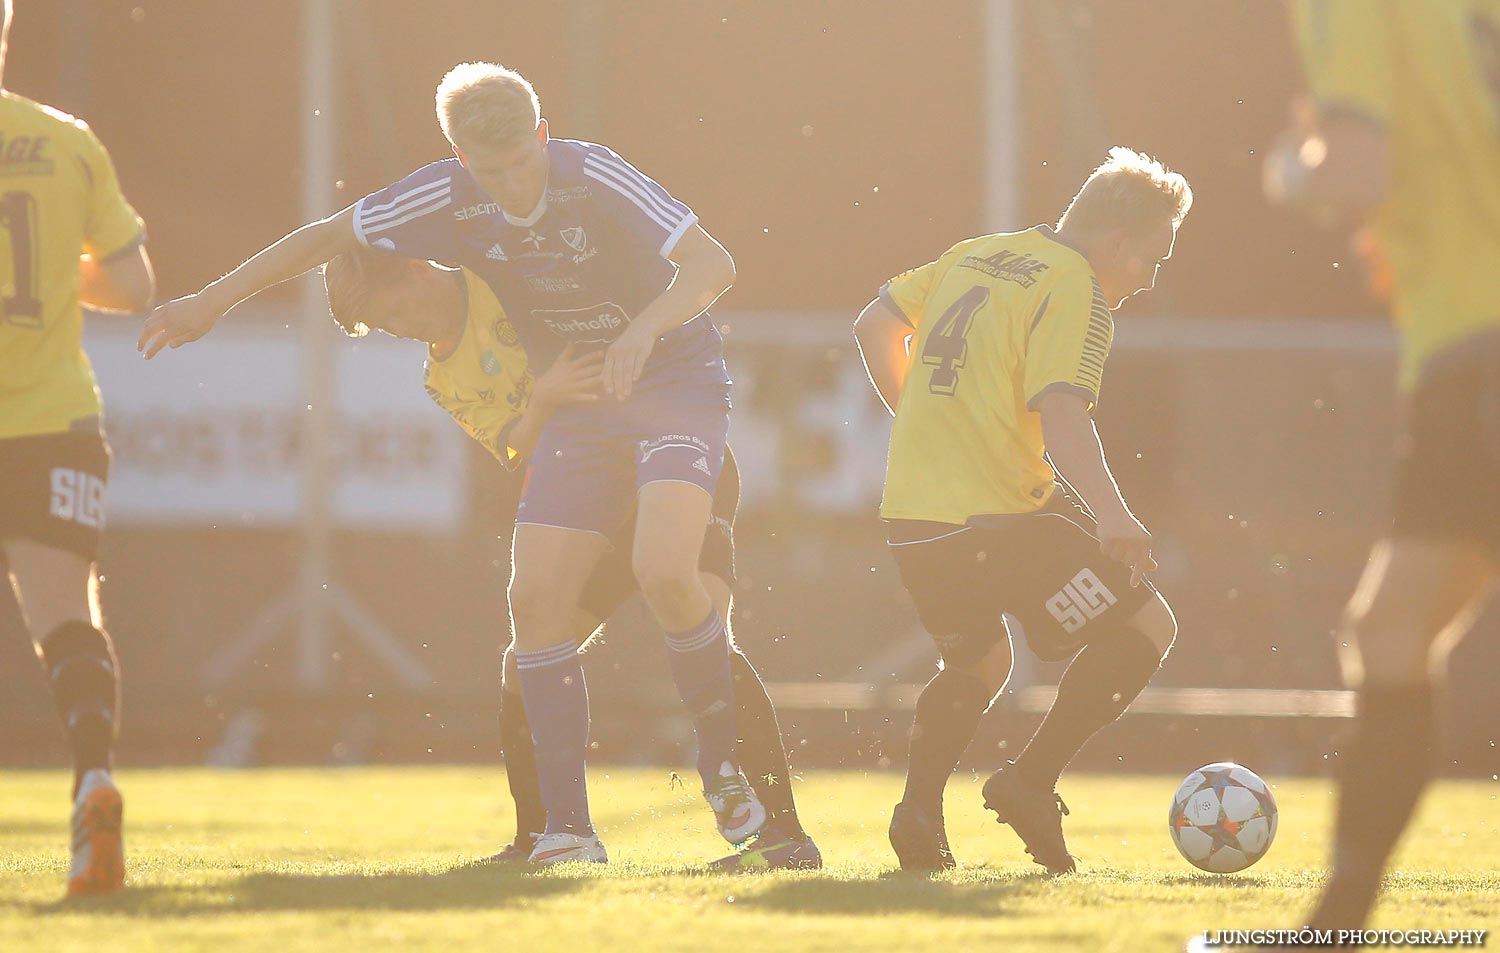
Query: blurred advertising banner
x=210, y=434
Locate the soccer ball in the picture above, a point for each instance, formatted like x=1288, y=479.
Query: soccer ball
x=1223, y=818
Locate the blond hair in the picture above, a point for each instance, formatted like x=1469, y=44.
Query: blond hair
x=1129, y=189
x=351, y=277
x=486, y=104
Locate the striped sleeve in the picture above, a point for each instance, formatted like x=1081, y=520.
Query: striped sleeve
x=1069, y=340
x=646, y=210
x=411, y=218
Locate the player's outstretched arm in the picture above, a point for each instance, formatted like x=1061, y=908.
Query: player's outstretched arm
x=122, y=282
x=1073, y=444
x=186, y=319
x=881, y=333
x=705, y=271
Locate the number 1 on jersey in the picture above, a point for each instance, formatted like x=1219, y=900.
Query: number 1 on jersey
x=21, y=307
x=946, y=349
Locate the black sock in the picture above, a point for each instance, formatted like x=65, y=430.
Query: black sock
x=948, y=712
x=520, y=766
x=762, y=755
x=84, y=676
x=1383, y=772
x=1098, y=686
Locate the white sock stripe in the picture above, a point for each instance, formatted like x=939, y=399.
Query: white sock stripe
x=538, y=659
x=694, y=643
x=548, y=656
x=711, y=624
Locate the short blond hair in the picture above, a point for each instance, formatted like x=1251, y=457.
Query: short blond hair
x=1129, y=189
x=486, y=104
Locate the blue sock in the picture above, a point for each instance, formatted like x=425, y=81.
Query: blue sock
x=700, y=666
x=557, y=705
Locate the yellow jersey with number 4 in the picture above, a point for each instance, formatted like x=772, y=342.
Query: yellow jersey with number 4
x=1429, y=73
x=486, y=382
x=998, y=321
x=59, y=200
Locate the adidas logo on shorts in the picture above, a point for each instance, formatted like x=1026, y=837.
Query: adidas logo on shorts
x=702, y=464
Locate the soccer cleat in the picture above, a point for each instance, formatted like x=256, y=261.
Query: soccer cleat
x=739, y=813
x=773, y=850
x=1035, y=814
x=98, y=848
x=517, y=851
x=920, y=840
x=561, y=848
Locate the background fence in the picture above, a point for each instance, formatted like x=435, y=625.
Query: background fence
x=1248, y=409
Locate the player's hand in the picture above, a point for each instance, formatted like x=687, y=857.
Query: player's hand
x=626, y=358
x=178, y=322
x=1123, y=539
x=572, y=379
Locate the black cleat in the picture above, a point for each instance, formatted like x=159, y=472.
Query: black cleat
x=1035, y=814
x=920, y=841
x=517, y=851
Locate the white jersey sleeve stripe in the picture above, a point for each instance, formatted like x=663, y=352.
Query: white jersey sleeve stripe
x=633, y=176
x=371, y=219
x=642, y=186
x=410, y=193
x=688, y=221
x=633, y=197
x=416, y=213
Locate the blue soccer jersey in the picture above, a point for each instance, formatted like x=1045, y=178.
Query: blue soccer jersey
x=579, y=268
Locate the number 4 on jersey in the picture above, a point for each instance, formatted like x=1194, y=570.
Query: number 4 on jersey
x=946, y=348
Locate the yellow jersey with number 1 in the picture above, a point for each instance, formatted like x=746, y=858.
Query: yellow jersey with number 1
x=59, y=200
x=997, y=322
x=1429, y=73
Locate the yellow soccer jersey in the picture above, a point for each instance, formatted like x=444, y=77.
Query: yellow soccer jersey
x=999, y=321
x=59, y=199
x=486, y=383
x=1430, y=74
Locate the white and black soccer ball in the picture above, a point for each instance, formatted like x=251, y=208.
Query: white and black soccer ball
x=1223, y=818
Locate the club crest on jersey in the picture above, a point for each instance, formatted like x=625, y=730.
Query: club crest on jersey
x=575, y=238
x=505, y=333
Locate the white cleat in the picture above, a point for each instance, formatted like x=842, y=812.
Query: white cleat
x=98, y=848
x=739, y=813
x=562, y=848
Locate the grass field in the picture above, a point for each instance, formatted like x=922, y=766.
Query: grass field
x=356, y=859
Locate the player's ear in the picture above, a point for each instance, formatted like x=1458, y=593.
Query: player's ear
x=541, y=131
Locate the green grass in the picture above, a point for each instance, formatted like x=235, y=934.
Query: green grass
x=360, y=859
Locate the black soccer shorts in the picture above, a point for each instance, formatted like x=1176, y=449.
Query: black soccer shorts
x=613, y=580
x=1045, y=569
x=1448, y=453
x=52, y=490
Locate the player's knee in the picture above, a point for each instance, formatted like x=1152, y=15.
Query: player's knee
x=1156, y=622
x=981, y=656
x=668, y=583
x=1382, y=648
x=535, y=604
x=994, y=668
